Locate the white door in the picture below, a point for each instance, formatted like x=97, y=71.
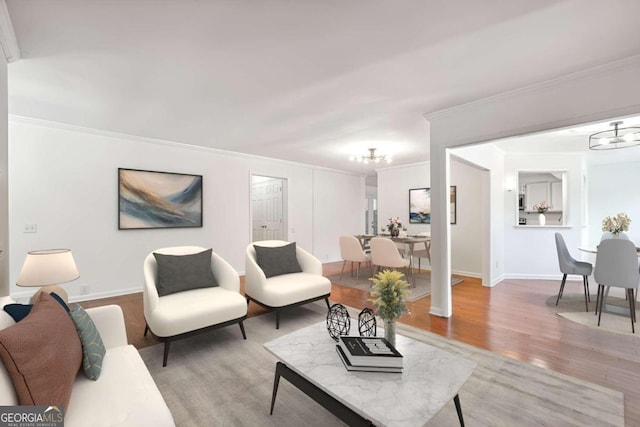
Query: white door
x=267, y=204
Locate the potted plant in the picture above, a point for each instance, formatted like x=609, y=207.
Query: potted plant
x=388, y=296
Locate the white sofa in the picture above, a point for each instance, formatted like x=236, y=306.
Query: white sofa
x=124, y=395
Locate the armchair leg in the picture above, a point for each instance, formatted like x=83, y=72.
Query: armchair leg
x=146, y=329
x=166, y=353
x=277, y=319
x=244, y=335
x=326, y=300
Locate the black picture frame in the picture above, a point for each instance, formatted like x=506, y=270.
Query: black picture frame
x=420, y=205
x=153, y=199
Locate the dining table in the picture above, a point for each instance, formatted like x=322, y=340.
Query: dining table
x=410, y=241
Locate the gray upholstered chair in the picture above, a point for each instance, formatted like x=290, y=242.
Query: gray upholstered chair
x=351, y=251
x=172, y=314
x=617, y=267
x=568, y=265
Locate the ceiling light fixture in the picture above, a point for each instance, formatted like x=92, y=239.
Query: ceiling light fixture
x=371, y=158
x=615, y=138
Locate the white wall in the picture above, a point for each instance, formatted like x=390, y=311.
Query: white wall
x=393, y=200
x=490, y=159
x=64, y=180
x=613, y=188
x=570, y=100
x=530, y=252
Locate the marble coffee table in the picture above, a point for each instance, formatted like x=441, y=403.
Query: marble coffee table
x=430, y=379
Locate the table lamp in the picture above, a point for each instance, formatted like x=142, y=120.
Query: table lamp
x=47, y=269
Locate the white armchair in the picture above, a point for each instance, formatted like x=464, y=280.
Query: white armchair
x=185, y=313
x=285, y=291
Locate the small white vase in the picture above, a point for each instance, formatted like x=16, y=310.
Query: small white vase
x=610, y=235
x=542, y=220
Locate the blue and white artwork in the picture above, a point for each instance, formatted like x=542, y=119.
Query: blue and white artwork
x=420, y=206
x=149, y=199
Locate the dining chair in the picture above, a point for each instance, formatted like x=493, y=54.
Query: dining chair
x=384, y=253
x=351, y=251
x=617, y=267
x=423, y=253
x=568, y=265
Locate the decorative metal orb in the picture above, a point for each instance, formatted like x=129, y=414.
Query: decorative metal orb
x=367, y=325
x=338, y=321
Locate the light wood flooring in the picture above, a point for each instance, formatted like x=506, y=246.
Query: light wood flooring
x=511, y=319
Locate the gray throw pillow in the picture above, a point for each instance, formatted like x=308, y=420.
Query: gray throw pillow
x=177, y=273
x=275, y=261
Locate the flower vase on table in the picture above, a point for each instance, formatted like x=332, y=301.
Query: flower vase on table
x=394, y=226
x=390, y=331
x=542, y=208
x=388, y=295
x=614, y=227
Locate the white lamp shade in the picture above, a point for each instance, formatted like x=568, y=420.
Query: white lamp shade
x=48, y=267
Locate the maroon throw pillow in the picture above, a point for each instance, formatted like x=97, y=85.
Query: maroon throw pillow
x=42, y=354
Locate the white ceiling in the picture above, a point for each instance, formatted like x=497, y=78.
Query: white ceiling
x=306, y=81
x=575, y=140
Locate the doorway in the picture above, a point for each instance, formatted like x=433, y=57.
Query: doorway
x=268, y=208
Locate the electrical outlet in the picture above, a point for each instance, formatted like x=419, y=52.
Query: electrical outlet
x=30, y=228
x=84, y=289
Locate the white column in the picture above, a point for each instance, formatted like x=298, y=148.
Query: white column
x=440, y=232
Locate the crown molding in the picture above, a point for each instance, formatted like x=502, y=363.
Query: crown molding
x=30, y=121
x=8, y=40
x=607, y=68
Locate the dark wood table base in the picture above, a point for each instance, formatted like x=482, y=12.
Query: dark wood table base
x=334, y=406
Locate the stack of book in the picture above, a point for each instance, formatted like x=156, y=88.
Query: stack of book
x=369, y=354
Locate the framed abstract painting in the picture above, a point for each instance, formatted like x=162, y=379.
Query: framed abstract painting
x=149, y=199
x=420, y=205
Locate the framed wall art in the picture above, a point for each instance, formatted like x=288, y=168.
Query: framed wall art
x=420, y=205
x=149, y=199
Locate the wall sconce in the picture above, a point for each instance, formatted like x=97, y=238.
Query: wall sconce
x=509, y=183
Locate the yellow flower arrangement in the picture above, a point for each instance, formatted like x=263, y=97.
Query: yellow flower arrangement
x=389, y=293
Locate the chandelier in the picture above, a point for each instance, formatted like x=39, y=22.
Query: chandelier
x=615, y=138
x=371, y=157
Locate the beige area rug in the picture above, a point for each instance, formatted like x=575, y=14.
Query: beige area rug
x=220, y=379
x=420, y=284
x=571, y=307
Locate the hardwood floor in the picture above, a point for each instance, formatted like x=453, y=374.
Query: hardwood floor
x=511, y=319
